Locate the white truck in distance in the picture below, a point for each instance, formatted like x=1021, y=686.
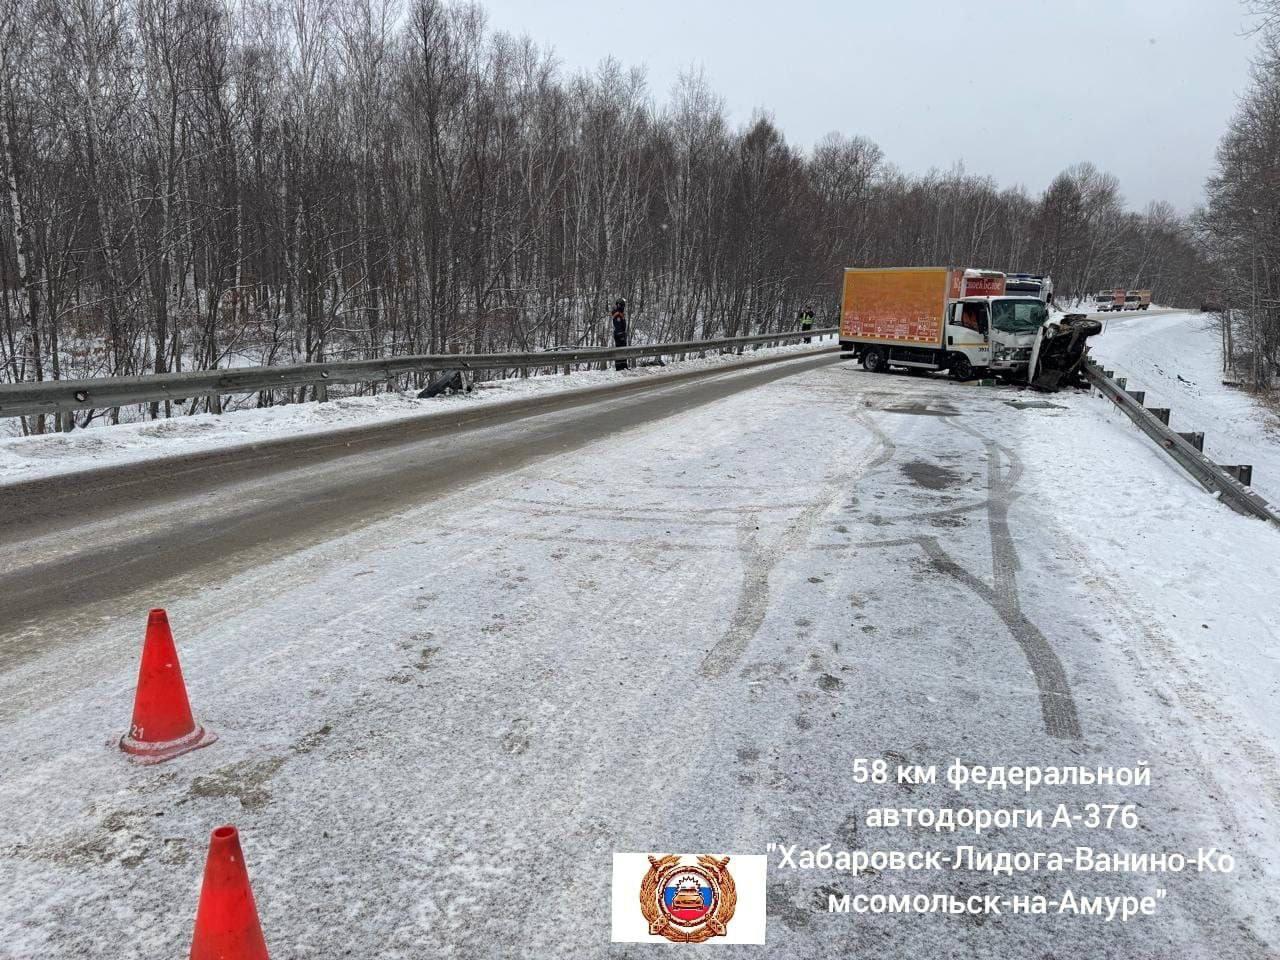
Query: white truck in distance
x=938, y=318
x=1029, y=285
x=1109, y=301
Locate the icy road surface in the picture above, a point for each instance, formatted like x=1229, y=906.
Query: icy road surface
x=452, y=674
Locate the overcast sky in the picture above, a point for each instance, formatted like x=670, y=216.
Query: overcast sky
x=1017, y=89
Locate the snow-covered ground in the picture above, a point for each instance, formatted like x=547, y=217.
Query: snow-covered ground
x=102, y=445
x=435, y=731
x=1186, y=570
x=1177, y=359
x=1189, y=589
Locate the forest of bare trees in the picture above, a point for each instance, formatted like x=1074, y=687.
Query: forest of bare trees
x=1241, y=221
x=193, y=183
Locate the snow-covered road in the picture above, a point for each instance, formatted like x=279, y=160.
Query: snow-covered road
x=675, y=633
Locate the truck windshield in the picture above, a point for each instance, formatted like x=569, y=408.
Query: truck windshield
x=1018, y=316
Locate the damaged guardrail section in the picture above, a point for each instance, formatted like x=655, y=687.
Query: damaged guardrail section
x=1208, y=474
x=60, y=396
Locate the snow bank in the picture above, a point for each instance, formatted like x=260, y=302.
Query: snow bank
x=1186, y=578
x=1177, y=359
x=102, y=445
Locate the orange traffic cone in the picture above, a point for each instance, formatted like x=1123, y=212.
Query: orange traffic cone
x=162, y=723
x=227, y=926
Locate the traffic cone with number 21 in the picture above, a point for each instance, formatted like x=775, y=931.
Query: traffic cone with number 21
x=163, y=726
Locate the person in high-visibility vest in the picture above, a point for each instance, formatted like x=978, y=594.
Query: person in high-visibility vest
x=806, y=321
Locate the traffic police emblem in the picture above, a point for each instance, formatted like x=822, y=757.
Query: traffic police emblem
x=688, y=902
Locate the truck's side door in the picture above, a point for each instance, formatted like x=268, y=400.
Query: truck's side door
x=968, y=324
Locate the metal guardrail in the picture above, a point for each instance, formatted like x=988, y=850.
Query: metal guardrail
x=61, y=396
x=1207, y=473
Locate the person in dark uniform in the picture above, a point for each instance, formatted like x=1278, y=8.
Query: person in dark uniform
x=806, y=321
x=619, y=317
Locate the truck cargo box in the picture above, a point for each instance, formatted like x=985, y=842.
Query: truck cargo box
x=907, y=306
x=896, y=305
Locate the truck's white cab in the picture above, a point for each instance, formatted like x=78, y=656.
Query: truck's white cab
x=993, y=333
x=1015, y=321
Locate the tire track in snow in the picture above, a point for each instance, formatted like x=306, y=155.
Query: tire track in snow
x=1061, y=718
x=1057, y=704
x=759, y=559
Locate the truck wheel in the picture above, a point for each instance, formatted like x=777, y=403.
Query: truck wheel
x=961, y=368
x=873, y=361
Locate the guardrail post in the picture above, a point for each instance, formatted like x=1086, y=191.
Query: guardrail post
x=1139, y=396
x=1122, y=382
x=1195, y=438
x=215, y=403
x=64, y=421
x=322, y=392
x=1160, y=413
x=1228, y=481
x=1241, y=471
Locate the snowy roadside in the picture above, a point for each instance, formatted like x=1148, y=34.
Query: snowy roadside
x=1185, y=582
x=36, y=457
x=1177, y=360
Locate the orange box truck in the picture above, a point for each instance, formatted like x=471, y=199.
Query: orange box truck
x=937, y=318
